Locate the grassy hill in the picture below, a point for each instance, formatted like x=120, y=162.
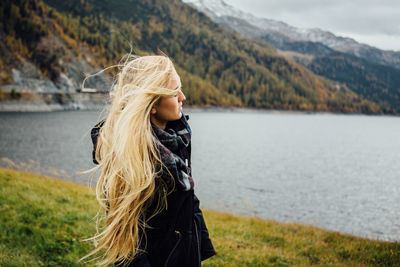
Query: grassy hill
x=217, y=66
x=42, y=221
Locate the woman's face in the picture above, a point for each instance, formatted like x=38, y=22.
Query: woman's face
x=169, y=108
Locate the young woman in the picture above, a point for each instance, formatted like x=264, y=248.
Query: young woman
x=143, y=149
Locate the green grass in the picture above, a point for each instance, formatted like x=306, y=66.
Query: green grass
x=42, y=221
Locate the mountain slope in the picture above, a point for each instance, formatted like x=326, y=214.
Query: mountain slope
x=281, y=32
x=217, y=66
x=373, y=81
x=370, y=72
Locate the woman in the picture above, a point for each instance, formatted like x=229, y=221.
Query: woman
x=143, y=149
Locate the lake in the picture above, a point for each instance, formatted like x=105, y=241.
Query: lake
x=338, y=172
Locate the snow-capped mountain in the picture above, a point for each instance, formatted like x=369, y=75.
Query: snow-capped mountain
x=280, y=34
x=218, y=8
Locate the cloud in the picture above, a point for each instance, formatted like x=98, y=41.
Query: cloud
x=385, y=42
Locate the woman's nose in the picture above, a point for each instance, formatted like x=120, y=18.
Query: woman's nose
x=182, y=97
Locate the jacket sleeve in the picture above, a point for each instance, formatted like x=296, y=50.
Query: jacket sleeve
x=207, y=248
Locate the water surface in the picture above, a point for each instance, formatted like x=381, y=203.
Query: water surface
x=338, y=172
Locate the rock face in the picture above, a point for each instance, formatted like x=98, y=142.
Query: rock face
x=27, y=77
x=76, y=72
x=31, y=90
x=53, y=101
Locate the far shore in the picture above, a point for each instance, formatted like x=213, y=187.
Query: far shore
x=15, y=106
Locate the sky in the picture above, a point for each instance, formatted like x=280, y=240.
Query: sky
x=374, y=22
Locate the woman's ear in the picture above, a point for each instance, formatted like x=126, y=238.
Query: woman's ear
x=154, y=108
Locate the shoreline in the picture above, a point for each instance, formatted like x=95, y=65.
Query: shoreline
x=91, y=186
x=29, y=107
x=61, y=215
x=34, y=107
x=274, y=111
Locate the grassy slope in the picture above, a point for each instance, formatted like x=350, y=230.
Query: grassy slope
x=43, y=219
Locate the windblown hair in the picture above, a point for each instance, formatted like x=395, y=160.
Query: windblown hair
x=128, y=158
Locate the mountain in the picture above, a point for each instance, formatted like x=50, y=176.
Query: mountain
x=279, y=32
x=368, y=71
x=55, y=42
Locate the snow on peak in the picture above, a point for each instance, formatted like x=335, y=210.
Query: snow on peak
x=218, y=8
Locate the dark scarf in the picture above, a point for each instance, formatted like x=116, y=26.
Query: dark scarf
x=173, y=143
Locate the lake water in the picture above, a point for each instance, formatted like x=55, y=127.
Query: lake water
x=338, y=172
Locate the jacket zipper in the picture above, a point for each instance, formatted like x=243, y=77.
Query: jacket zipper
x=173, y=249
x=198, y=244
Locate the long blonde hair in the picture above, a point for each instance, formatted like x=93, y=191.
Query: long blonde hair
x=128, y=157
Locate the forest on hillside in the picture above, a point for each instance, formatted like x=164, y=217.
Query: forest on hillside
x=217, y=67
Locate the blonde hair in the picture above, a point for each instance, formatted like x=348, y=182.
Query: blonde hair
x=128, y=158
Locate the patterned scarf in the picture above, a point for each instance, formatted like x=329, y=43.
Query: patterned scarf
x=173, y=143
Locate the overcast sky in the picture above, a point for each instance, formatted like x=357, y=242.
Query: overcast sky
x=374, y=22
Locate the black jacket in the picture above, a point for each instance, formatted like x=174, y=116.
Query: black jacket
x=179, y=236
